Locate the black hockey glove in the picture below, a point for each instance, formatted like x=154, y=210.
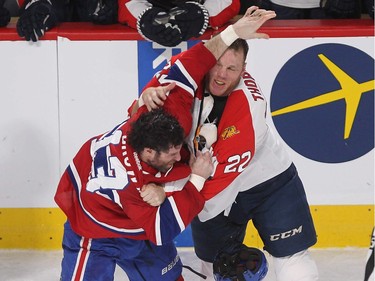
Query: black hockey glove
x=153, y=24
x=37, y=17
x=342, y=9
x=245, y=264
x=4, y=16
x=105, y=12
x=191, y=17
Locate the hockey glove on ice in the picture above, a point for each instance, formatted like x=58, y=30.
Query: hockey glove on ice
x=191, y=17
x=4, y=14
x=153, y=24
x=105, y=12
x=36, y=18
x=246, y=264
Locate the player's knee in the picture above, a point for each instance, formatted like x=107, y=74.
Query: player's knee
x=297, y=267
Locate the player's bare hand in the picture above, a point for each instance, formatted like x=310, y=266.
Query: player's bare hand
x=202, y=165
x=153, y=194
x=154, y=97
x=247, y=26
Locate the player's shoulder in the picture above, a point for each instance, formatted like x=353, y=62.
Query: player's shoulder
x=250, y=88
x=248, y=82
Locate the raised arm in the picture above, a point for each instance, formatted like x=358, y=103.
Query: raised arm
x=245, y=28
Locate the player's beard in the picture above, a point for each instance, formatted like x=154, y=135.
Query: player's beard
x=159, y=165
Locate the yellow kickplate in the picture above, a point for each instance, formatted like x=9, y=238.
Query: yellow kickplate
x=31, y=228
x=336, y=226
x=42, y=228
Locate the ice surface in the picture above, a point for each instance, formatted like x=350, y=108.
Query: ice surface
x=347, y=264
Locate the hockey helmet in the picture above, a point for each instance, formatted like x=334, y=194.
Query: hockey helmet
x=247, y=264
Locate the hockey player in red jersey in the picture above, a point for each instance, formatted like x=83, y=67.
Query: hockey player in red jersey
x=254, y=177
x=103, y=194
x=106, y=192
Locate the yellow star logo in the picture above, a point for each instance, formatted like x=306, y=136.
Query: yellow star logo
x=351, y=91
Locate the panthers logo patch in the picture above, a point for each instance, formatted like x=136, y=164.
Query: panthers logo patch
x=229, y=132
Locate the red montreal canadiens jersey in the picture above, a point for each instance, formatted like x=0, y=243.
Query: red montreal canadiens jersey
x=99, y=191
x=220, y=11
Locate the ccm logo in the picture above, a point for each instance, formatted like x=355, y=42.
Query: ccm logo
x=286, y=234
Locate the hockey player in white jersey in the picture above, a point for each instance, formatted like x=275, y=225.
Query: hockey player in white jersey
x=254, y=177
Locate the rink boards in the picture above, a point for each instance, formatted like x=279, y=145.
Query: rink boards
x=80, y=80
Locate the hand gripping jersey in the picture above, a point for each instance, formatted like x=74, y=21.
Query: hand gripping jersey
x=220, y=11
x=246, y=152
